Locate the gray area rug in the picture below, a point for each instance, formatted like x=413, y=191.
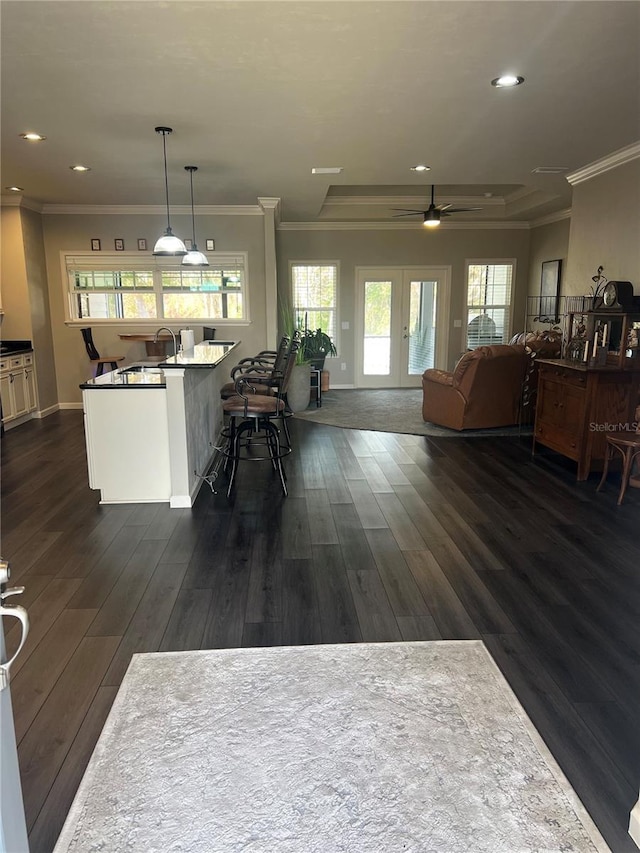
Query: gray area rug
x=389, y=410
x=360, y=748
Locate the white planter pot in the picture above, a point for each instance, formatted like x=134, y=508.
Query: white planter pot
x=299, y=388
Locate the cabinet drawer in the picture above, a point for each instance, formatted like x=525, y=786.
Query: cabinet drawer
x=16, y=362
x=558, y=439
x=565, y=376
x=4, y=364
x=28, y=359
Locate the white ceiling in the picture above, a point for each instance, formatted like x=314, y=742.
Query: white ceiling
x=260, y=92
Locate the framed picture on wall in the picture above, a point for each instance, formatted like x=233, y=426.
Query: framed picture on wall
x=550, y=290
x=188, y=244
x=119, y=244
x=211, y=245
x=95, y=244
x=142, y=244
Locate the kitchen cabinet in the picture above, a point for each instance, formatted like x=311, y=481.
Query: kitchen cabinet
x=17, y=387
x=578, y=406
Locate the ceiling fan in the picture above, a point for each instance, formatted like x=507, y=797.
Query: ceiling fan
x=434, y=212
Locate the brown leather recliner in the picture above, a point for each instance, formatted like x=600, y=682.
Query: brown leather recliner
x=483, y=391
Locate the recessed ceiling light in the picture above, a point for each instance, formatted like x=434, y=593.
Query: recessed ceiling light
x=32, y=137
x=15, y=189
x=326, y=170
x=507, y=81
x=421, y=168
x=80, y=168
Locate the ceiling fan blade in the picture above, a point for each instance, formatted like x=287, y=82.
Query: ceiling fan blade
x=442, y=207
x=408, y=209
x=413, y=213
x=463, y=209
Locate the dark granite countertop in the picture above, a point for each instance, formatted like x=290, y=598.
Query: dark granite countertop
x=15, y=347
x=205, y=355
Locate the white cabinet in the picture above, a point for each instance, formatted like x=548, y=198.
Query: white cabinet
x=17, y=387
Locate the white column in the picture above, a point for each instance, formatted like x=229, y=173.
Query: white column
x=270, y=207
x=634, y=823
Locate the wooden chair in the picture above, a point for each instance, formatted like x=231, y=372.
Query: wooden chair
x=627, y=444
x=97, y=361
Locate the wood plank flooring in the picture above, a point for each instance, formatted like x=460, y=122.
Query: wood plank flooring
x=383, y=538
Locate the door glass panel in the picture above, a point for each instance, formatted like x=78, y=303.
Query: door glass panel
x=377, y=328
x=422, y=326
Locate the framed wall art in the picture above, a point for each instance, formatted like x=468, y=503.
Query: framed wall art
x=550, y=290
x=119, y=244
x=95, y=244
x=142, y=244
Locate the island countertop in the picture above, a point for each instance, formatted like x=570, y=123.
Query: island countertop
x=208, y=354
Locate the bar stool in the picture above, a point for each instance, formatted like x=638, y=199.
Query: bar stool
x=627, y=444
x=94, y=356
x=252, y=424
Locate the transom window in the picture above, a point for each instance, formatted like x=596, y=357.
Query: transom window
x=314, y=289
x=489, y=288
x=133, y=288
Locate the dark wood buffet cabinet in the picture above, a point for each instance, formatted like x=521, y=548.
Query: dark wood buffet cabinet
x=578, y=406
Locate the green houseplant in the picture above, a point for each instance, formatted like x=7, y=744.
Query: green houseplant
x=316, y=346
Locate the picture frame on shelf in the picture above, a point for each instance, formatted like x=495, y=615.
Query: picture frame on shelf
x=142, y=244
x=119, y=244
x=95, y=244
x=550, y=289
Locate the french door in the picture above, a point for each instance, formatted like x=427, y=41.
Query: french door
x=402, y=322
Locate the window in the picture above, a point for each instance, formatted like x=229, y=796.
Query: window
x=489, y=288
x=133, y=288
x=314, y=290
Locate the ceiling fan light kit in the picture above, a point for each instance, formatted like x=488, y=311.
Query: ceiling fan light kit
x=194, y=257
x=168, y=245
x=432, y=216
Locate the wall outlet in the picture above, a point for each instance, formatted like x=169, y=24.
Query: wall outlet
x=457, y=324
x=344, y=325
x=343, y=365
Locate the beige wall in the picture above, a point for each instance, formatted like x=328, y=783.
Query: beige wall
x=402, y=248
x=39, y=307
x=73, y=232
x=548, y=243
x=605, y=229
x=15, y=292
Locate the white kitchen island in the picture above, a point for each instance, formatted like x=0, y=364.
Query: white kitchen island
x=151, y=431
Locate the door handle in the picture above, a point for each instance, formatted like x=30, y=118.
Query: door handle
x=22, y=616
x=15, y=610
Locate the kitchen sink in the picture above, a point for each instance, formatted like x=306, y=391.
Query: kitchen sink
x=141, y=368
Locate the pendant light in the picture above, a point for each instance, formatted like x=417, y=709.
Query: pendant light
x=193, y=258
x=168, y=244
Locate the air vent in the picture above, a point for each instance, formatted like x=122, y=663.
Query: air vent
x=326, y=170
x=549, y=170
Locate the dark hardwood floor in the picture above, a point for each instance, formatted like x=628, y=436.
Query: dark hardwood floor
x=382, y=538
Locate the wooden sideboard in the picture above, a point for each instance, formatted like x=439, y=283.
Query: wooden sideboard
x=578, y=406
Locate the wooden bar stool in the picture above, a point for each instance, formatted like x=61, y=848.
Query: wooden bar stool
x=627, y=444
x=98, y=362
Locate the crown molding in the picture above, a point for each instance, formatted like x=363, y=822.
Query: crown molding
x=387, y=200
x=401, y=226
x=550, y=218
x=20, y=201
x=148, y=209
x=605, y=164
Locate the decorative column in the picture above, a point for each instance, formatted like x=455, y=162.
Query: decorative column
x=271, y=210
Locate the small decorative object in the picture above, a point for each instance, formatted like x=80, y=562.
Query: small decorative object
x=550, y=290
x=142, y=244
x=95, y=244
x=599, y=282
x=211, y=245
x=618, y=295
x=119, y=244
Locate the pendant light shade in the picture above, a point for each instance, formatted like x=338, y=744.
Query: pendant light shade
x=168, y=244
x=193, y=258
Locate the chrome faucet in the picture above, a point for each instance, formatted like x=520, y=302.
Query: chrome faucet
x=173, y=335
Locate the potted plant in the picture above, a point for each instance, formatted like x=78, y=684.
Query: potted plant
x=316, y=346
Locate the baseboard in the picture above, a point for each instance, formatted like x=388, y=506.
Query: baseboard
x=43, y=413
x=335, y=387
x=65, y=406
